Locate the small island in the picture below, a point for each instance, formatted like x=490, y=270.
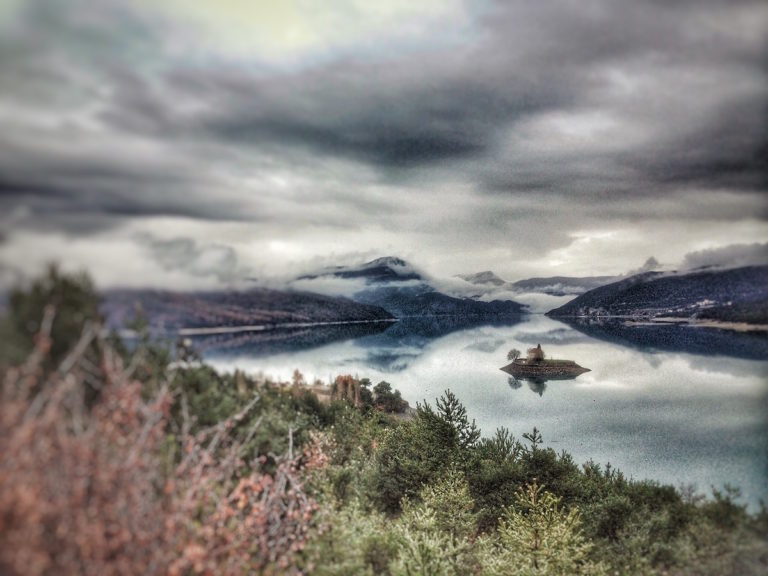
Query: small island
x=535, y=365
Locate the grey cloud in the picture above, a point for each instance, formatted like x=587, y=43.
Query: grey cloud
x=397, y=146
x=101, y=196
x=733, y=256
x=187, y=255
x=650, y=265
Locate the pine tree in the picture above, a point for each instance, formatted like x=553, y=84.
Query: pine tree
x=434, y=535
x=536, y=537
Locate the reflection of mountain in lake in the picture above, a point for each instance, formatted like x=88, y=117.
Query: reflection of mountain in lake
x=557, y=337
x=394, y=349
x=424, y=301
x=278, y=341
x=675, y=338
x=388, y=347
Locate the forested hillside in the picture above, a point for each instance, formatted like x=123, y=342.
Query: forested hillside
x=166, y=310
x=739, y=295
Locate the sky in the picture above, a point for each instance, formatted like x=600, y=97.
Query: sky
x=208, y=144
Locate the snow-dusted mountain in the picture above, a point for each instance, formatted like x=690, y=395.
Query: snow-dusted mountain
x=387, y=269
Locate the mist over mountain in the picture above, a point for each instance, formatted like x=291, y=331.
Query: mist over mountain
x=553, y=285
x=390, y=287
x=563, y=285
x=481, y=278
x=382, y=289
x=723, y=257
x=398, y=287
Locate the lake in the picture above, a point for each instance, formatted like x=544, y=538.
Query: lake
x=678, y=405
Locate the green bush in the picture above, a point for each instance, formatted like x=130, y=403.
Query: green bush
x=417, y=452
x=537, y=537
x=434, y=534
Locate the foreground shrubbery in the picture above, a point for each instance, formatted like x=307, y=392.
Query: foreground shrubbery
x=112, y=488
x=129, y=463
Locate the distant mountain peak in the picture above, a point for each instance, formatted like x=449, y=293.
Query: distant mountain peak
x=387, y=261
x=484, y=277
x=384, y=269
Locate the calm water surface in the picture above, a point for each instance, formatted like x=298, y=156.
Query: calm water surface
x=671, y=416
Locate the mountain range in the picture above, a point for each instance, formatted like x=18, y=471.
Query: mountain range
x=422, y=300
x=390, y=288
x=399, y=288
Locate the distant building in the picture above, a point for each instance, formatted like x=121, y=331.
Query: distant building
x=346, y=388
x=535, y=354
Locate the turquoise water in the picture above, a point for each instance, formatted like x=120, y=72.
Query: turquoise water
x=654, y=412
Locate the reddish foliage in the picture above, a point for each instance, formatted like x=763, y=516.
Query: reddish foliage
x=92, y=491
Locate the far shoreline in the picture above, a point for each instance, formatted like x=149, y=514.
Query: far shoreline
x=216, y=330
x=630, y=321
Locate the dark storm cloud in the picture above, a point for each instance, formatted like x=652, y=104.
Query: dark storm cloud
x=729, y=150
x=86, y=198
x=454, y=110
x=369, y=112
x=417, y=112
x=106, y=193
x=431, y=109
x=389, y=147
